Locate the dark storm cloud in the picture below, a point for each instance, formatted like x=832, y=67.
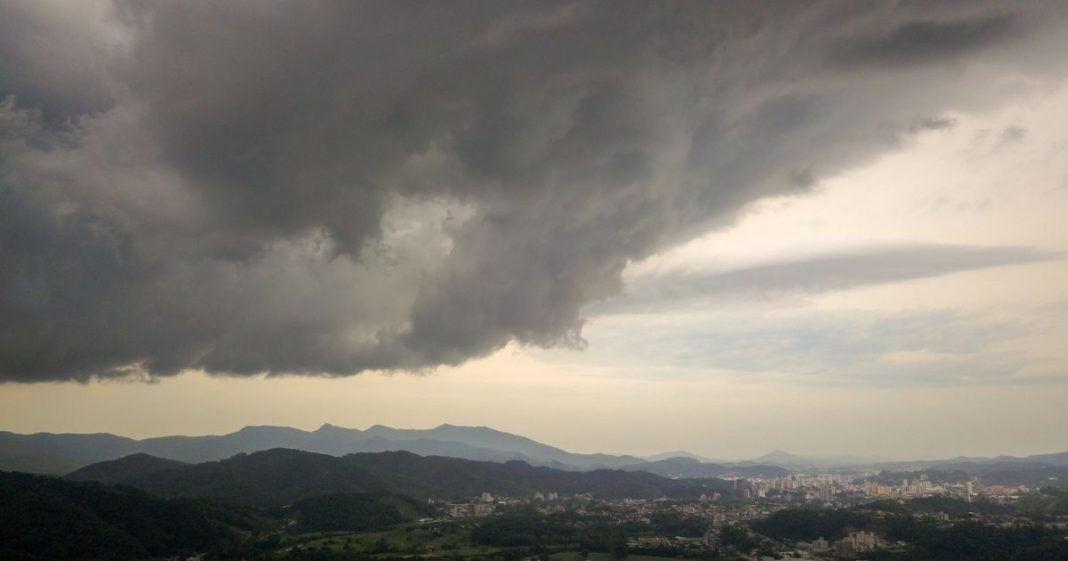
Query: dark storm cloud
x=916, y=42
x=54, y=59
x=816, y=274
x=329, y=187
x=932, y=124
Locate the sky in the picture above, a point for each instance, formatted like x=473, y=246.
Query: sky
x=727, y=228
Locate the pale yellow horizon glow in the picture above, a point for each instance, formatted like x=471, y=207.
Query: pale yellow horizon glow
x=582, y=410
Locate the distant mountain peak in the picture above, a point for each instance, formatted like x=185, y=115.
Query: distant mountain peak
x=475, y=428
x=789, y=458
x=264, y=428
x=682, y=460
x=781, y=456
x=678, y=454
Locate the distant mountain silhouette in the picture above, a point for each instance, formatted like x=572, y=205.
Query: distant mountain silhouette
x=1056, y=459
x=281, y=476
x=62, y=453
x=693, y=468
x=19, y=457
x=57, y=453
x=787, y=459
x=680, y=454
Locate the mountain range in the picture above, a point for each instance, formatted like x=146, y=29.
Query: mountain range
x=63, y=453
x=55, y=453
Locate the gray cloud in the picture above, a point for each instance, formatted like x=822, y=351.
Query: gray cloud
x=932, y=124
x=55, y=55
x=329, y=187
x=987, y=141
x=1011, y=135
x=841, y=348
x=813, y=275
x=924, y=41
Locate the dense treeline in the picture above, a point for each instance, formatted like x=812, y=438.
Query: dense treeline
x=811, y=524
x=973, y=541
x=355, y=512
x=955, y=508
x=1051, y=502
x=962, y=539
x=47, y=518
x=671, y=523
x=534, y=531
x=934, y=475
x=530, y=529
x=1056, y=476
x=1032, y=474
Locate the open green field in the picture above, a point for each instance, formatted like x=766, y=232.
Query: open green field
x=577, y=556
x=441, y=539
x=436, y=540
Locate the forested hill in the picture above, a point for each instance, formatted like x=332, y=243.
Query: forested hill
x=282, y=476
x=44, y=518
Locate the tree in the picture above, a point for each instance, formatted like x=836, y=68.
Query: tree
x=617, y=547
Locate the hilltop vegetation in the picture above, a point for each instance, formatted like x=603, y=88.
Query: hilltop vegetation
x=279, y=476
x=355, y=512
x=43, y=518
x=964, y=538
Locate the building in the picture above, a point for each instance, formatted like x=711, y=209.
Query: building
x=856, y=542
x=465, y=510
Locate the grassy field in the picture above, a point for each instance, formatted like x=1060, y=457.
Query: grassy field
x=444, y=539
x=577, y=556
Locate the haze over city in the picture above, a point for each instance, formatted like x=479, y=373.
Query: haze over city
x=725, y=228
